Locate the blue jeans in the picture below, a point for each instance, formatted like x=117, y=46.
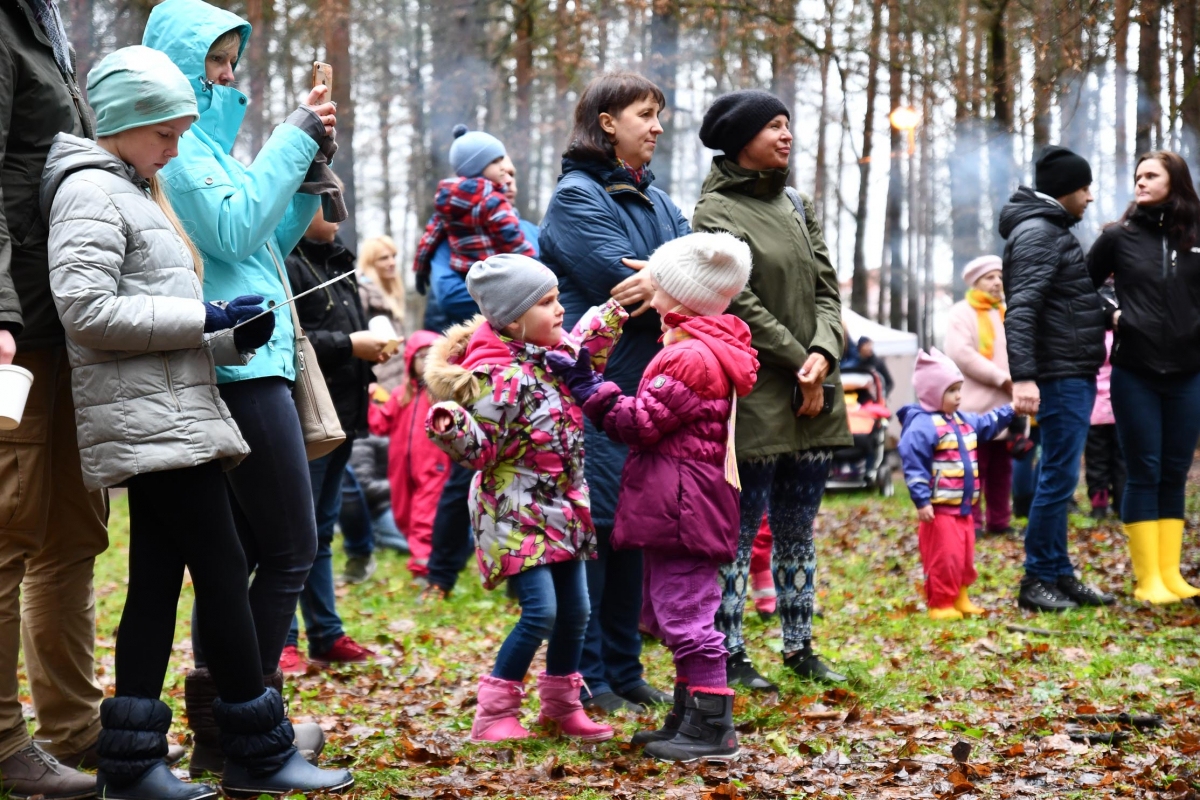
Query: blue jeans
x=358, y=537
x=1064, y=417
x=1158, y=423
x=612, y=649
x=317, y=601
x=1027, y=471
x=554, y=608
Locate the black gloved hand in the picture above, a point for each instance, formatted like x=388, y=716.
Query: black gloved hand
x=577, y=373
x=255, y=334
x=219, y=316
x=422, y=282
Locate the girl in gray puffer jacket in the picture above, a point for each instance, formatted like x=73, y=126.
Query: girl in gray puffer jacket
x=143, y=346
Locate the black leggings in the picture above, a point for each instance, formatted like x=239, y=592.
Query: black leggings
x=182, y=518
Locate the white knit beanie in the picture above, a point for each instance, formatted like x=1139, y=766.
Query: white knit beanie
x=703, y=271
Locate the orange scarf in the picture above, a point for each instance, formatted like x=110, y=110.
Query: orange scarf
x=983, y=303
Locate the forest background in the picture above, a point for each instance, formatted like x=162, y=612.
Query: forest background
x=991, y=82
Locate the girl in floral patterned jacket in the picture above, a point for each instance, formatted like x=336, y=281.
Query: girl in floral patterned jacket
x=507, y=416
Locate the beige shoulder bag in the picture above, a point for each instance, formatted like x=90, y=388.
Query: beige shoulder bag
x=318, y=416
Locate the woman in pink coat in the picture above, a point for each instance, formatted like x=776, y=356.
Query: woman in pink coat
x=975, y=343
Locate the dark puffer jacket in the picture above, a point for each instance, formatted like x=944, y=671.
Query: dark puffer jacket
x=1158, y=285
x=369, y=458
x=1055, y=320
x=328, y=317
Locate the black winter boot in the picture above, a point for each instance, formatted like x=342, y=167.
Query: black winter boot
x=806, y=664
x=739, y=670
x=260, y=756
x=706, y=732
x=199, y=692
x=670, y=722
x=133, y=741
x=310, y=739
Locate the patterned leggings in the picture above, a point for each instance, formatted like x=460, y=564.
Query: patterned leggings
x=789, y=489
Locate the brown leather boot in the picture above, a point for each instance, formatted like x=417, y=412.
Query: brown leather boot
x=33, y=772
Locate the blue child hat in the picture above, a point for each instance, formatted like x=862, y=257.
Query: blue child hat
x=472, y=151
x=137, y=86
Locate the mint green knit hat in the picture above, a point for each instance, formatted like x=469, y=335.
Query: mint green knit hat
x=137, y=86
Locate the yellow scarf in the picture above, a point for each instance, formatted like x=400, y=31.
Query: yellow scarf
x=983, y=303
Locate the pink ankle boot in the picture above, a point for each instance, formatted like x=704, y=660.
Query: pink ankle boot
x=562, y=710
x=763, y=592
x=497, y=715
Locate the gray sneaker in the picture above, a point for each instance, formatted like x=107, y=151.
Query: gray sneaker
x=359, y=569
x=33, y=772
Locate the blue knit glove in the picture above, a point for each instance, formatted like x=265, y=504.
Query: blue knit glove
x=578, y=374
x=255, y=334
x=218, y=316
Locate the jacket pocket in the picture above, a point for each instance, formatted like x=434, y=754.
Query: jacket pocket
x=170, y=381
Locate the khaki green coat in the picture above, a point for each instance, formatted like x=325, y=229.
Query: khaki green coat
x=792, y=305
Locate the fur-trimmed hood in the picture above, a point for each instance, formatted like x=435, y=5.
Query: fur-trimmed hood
x=453, y=361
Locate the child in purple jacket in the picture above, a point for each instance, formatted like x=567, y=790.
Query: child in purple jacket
x=938, y=447
x=679, y=487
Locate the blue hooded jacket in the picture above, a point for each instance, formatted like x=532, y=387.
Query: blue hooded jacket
x=244, y=220
x=597, y=216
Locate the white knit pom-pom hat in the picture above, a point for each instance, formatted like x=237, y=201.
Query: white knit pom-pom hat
x=703, y=271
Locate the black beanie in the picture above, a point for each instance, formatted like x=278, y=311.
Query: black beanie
x=735, y=118
x=1060, y=172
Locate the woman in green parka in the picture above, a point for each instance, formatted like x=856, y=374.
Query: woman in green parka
x=793, y=307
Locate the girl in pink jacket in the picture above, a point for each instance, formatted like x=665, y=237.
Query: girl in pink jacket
x=679, y=488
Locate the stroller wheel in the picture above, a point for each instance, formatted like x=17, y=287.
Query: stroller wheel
x=884, y=482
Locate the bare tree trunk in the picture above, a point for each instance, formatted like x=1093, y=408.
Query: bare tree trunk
x=335, y=22
x=258, y=70
x=82, y=31
x=1189, y=103
x=383, y=53
x=1045, y=58
x=522, y=131
x=455, y=92
x=858, y=286
x=964, y=189
x=819, y=200
x=1121, y=80
x=664, y=65
x=895, y=195
x=1000, y=143
x=783, y=65
x=420, y=164
x=1149, y=110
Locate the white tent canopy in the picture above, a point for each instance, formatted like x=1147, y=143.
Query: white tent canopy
x=888, y=342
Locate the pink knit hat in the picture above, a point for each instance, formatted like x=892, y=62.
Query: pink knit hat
x=934, y=374
x=976, y=269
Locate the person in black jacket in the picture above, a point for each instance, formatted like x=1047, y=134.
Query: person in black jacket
x=1055, y=329
x=1153, y=254
x=334, y=322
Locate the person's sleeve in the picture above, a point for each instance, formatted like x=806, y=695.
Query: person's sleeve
x=450, y=286
x=432, y=240
x=225, y=351
x=1033, y=255
x=916, y=456
x=466, y=441
x=231, y=222
x=589, y=242
x=886, y=374
x=10, y=305
x=776, y=345
x=1101, y=261
x=380, y=417
x=830, y=335
x=86, y=251
x=990, y=425
x=962, y=349
x=503, y=227
x=643, y=419
x=531, y=235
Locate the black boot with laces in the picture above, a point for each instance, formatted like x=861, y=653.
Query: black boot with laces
x=741, y=672
x=1039, y=595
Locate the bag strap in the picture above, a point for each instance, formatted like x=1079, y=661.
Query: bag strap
x=287, y=293
x=797, y=201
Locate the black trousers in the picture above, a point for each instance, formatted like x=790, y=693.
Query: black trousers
x=182, y=518
x=1104, y=464
x=453, y=544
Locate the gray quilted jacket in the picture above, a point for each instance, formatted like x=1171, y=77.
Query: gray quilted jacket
x=142, y=368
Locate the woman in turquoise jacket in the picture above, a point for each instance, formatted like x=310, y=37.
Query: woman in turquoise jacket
x=244, y=219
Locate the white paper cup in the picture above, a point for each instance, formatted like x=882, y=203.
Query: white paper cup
x=14, y=391
x=382, y=327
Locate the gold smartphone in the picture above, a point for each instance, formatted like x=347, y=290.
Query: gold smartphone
x=323, y=76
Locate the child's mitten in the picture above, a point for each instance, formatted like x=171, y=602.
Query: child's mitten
x=577, y=373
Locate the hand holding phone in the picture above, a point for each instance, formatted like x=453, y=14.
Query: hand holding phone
x=828, y=396
x=319, y=99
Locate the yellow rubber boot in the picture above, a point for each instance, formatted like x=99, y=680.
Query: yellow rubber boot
x=964, y=605
x=1143, y=552
x=945, y=613
x=1170, y=543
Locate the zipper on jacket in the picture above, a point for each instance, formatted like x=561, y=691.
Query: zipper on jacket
x=1164, y=257
x=170, y=381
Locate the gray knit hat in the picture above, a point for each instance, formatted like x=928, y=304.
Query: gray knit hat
x=507, y=285
x=703, y=271
x=472, y=151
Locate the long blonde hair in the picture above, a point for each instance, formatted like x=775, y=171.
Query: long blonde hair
x=392, y=288
x=160, y=198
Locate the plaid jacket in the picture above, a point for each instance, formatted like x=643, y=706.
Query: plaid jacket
x=478, y=220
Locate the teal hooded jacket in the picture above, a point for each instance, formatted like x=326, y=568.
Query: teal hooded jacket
x=243, y=219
